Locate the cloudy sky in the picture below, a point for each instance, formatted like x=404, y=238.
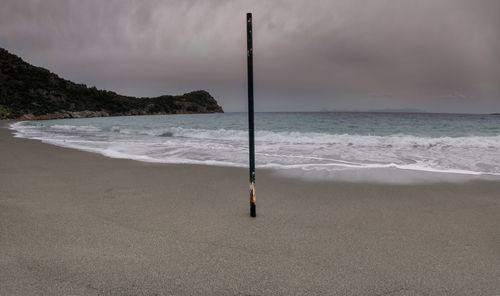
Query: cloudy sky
x=435, y=55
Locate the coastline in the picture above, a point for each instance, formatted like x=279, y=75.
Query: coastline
x=397, y=168
x=74, y=222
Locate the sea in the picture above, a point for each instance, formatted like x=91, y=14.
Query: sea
x=308, y=144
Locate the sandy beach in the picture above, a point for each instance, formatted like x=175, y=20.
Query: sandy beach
x=78, y=223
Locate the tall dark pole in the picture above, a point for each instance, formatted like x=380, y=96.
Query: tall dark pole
x=251, y=141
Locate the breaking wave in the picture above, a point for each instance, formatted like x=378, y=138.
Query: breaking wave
x=307, y=151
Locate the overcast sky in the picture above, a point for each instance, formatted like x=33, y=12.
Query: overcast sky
x=435, y=55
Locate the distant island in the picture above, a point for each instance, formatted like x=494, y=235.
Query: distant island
x=28, y=92
x=403, y=110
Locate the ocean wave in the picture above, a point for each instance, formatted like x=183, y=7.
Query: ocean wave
x=80, y=128
x=307, y=151
x=351, y=140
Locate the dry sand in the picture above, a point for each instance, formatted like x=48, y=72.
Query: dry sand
x=77, y=223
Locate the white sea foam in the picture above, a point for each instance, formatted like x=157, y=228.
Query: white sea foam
x=84, y=128
x=282, y=150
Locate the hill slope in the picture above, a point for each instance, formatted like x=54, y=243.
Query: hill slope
x=30, y=92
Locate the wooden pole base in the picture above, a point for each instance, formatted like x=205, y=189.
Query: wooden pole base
x=253, y=210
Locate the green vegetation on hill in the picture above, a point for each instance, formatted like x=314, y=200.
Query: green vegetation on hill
x=31, y=92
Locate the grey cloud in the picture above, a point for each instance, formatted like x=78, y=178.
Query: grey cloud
x=436, y=55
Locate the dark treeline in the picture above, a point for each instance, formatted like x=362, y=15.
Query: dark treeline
x=31, y=92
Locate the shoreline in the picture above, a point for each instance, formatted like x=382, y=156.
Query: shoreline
x=385, y=175
x=79, y=223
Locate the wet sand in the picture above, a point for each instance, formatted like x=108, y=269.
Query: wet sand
x=78, y=223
